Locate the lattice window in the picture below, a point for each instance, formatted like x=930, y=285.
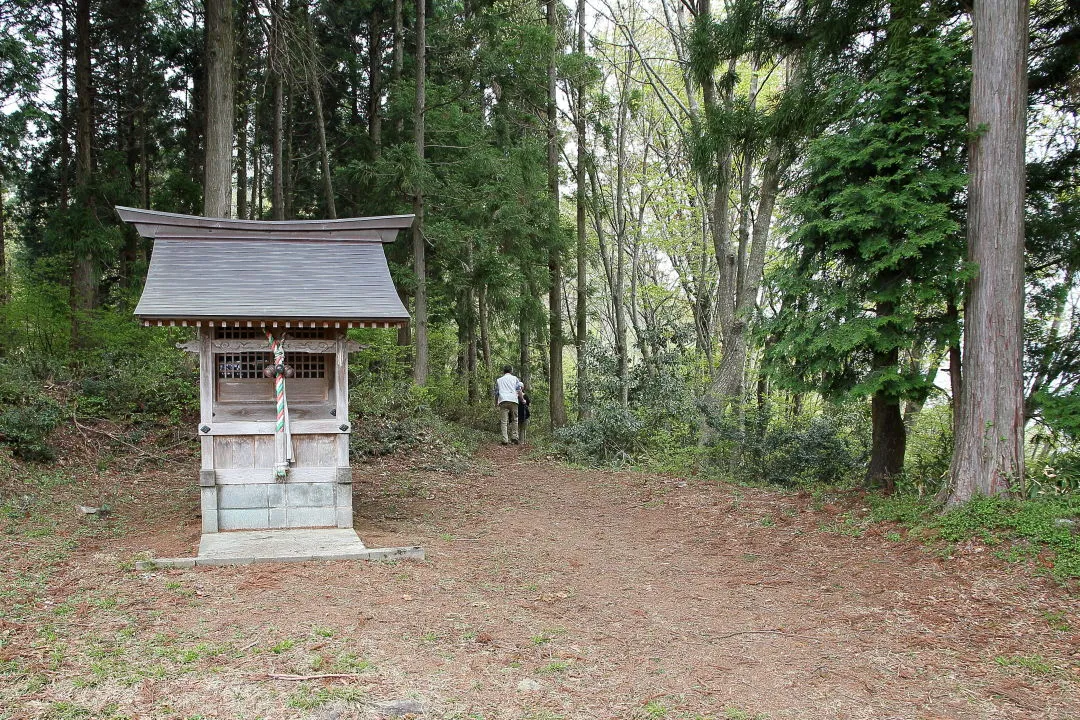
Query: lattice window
x=249, y=365
x=307, y=365
x=238, y=333
x=243, y=365
x=244, y=333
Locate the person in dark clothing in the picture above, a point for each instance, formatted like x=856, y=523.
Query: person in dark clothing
x=523, y=414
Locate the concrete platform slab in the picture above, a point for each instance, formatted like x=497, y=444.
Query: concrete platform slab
x=244, y=547
x=274, y=544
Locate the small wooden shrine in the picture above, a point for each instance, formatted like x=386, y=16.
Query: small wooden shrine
x=271, y=302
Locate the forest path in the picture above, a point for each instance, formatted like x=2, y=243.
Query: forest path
x=551, y=592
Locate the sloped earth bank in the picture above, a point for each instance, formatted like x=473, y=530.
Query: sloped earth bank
x=548, y=592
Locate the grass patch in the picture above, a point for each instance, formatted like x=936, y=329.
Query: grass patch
x=349, y=662
x=283, y=646
x=847, y=524
x=554, y=667
x=655, y=710
x=1057, y=621
x=1023, y=529
x=734, y=713
x=309, y=698
x=1034, y=664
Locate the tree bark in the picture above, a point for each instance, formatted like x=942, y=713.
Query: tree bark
x=581, y=308
x=287, y=165
x=3, y=256
x=470, y=343
x=257, y=171
x=241, y=163
x=129, y=134
x=324, y=151
x=524, y=335
x=720, y=216
x=398, y=59
x=375, y=82
x=556, y=397
x=83, y=281
x=989, y=453
x=956, y=380
x=65, y=109
x=277, y=142
x=889, y=439
x=404, y=332
x=618, y=291
x=485, y=332
x=732, y=371
x=420, y=364
x=243, y=103
x=195, y=120
x=217, y=190
x=745, y=186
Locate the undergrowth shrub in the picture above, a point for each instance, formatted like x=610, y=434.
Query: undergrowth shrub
x=1057, y=473
x=27, y=413
x=25, y=426
x=389, y=412
x=610, y=435
x=133, y=370
x=658, y=429
x=830, y=448
x=929, y=451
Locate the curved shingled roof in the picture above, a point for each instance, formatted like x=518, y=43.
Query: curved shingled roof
x=219, y=270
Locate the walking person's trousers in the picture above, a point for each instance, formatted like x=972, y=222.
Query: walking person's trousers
x=508, y=416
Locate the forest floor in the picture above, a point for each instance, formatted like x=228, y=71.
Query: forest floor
x=547, y=592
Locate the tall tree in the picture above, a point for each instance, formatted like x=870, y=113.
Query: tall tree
x=277, y=63
x=84, y=276
x=19, y=84
x=310, y=57
x=581, y=309
x=876, y=252
x=989, y=452
x=420, y=311
x=556, y=393
x=220, y=108
x=375, y=63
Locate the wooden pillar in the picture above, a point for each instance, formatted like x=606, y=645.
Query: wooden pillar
x=207, y=475
x=343, y=487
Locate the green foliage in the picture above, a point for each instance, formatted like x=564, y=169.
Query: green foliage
x=657, y=429
x=761, y=446
x=35, y=323
x=128, y=371
x=25, y=426
x=134, y=370
x=613, y=435
x=1051, y=523
x=877, y=248
x=1060, y=411
x=1057, y=473
x=389, y=413
x=929, y=450
x=1035, y=664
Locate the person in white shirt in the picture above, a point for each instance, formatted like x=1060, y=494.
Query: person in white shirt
x=508, y=389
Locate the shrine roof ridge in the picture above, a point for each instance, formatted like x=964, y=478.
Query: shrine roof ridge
x=255, y=276
x=156, y=224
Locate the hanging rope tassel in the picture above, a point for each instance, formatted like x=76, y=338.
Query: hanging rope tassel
x=282, y=433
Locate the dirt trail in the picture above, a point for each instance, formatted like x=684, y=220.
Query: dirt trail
x=550, y=593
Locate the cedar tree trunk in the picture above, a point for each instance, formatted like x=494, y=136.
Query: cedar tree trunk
x=989, y=453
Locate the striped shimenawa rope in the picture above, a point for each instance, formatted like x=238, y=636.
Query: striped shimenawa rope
x=282, y=435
